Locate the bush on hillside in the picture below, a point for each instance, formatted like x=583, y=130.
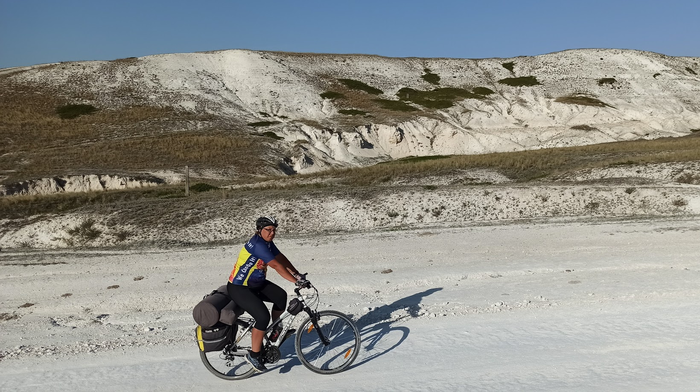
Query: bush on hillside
x=509, y=66
x=430, y=77
x=523, y=81
x=68, y=112
x=357, y=85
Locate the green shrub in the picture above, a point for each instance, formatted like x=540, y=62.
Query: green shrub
x=584, y=127
x=431, y=77
x=509, y=66
x=272, y=135
x=581, y=100
x=202, y=187
x=690, y=70
x=523, y=81
x=352, y=112
x=68, y=112
x=263, y=123
x=606, y=81
x=357, y=85
x=398, y=106
x=482, y=91
x=332, y=95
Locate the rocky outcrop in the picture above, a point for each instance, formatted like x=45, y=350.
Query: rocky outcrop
x=85, y=183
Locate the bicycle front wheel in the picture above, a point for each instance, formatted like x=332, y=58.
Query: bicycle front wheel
x=332, y=347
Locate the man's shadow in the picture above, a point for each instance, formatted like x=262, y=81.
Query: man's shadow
x=374, y=327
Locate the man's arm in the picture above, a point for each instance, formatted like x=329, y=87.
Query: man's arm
x=284, y=267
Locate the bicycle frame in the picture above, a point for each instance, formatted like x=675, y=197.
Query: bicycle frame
x=247, y=323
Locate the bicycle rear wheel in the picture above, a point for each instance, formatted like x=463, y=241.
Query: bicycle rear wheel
x=230, y=363
x=340, y=349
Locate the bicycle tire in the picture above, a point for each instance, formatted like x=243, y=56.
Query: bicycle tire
x=228, y=366
x=339, y=354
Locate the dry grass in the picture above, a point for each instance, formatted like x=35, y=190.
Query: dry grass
x=36, y=142
x=528, y=165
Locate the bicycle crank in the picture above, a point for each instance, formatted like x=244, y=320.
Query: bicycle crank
x=272, y=354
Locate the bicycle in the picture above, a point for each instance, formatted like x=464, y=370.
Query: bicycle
x=326, y=342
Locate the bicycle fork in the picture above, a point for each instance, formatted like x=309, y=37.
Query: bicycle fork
x=314, y=322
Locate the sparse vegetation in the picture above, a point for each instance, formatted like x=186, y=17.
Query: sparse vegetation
x=689, y=178
x=509, y=66
x=8, y=316
x=525, y=166
x=592, y=206
x=690, y=70
x=122, y=235
x=604, y=81
x=680, y=202
x=395, y=105
x=85, y=232
x=523, y=81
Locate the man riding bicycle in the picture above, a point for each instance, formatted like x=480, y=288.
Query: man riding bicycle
x=249, y=288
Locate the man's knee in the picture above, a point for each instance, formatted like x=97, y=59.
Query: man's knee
x=262, y=320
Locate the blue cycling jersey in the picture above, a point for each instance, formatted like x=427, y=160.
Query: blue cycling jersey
x=251, y=266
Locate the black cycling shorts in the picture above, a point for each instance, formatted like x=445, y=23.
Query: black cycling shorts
x=252, y=300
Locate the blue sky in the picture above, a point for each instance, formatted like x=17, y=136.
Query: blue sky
x=43, y=31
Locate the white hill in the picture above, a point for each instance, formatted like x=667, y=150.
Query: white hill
x=560, y=99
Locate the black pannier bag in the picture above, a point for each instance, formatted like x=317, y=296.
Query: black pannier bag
x=216, y=317
x=216, y=307
x=214, y=338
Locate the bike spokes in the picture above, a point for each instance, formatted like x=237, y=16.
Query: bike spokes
x=330, y=344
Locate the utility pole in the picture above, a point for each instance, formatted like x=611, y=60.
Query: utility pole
x=187, y=180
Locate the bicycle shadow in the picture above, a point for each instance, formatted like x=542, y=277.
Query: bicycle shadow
x=378, y=324
x=375, y=327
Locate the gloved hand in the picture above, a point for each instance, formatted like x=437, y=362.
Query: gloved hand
x=302, y=282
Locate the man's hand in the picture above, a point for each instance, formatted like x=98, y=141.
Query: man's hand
x=302, y=282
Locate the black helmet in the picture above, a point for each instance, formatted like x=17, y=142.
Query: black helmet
x=265, y=221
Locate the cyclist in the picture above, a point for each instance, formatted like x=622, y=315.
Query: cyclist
x=249, y=288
